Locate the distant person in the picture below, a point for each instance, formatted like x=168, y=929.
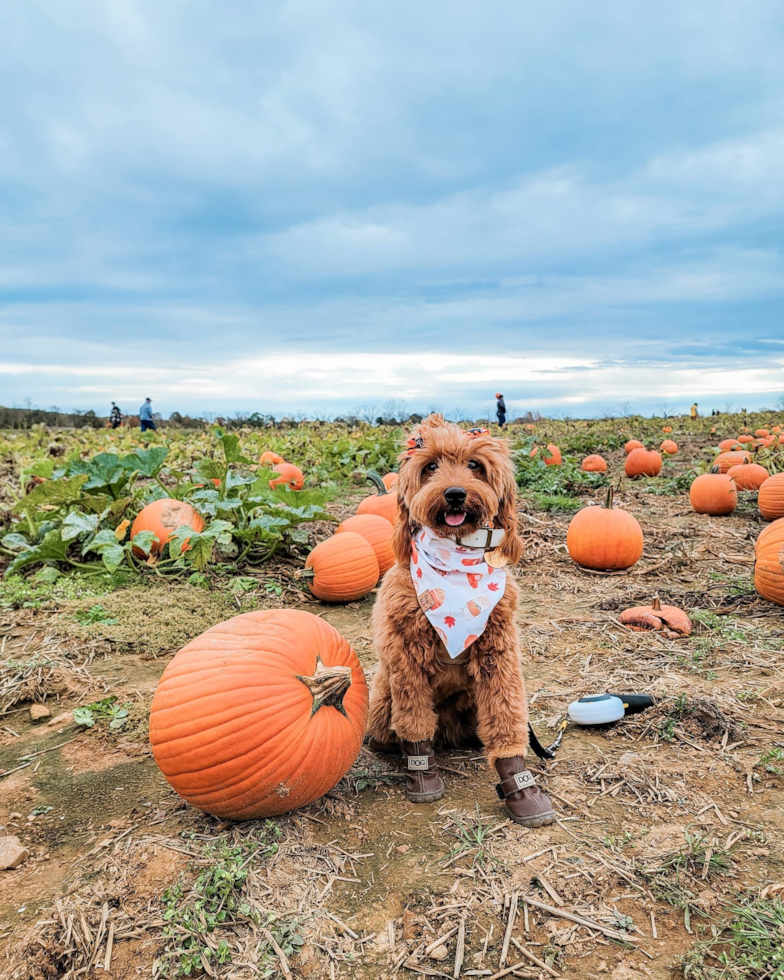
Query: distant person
x=115, y=417
x=145, y=416
x=693, y=411
x=500, y=409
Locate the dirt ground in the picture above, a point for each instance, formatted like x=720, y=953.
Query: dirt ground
x=664, y=819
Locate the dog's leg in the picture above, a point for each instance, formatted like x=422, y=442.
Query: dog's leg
x=381, y=738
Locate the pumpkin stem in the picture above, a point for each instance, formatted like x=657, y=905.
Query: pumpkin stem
x=656, y=604
x=610, y=497
x=377, y=482
x=328, y=685
x=306, y=573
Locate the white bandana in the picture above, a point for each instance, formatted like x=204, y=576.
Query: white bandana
x=456, y=588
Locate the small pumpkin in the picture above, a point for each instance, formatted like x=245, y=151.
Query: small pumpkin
x=727, y=444
x=383, y=503
x=765, y=442
x=769, y=563
x=771, y=497
x=664, y=619
x=603, y=538
x=762, y=433
x=269, y=458
x=713, y=493
x=594, y=464
x=745, y=439
x=643, y=462
x=259, y=715
x=748, y=476
x=289, y=476
x=725, y=461
x=377, y=531
x=163, y=517
x=669, y=447
x=553, y=457
x=631, y=445
x=342, y=568
x=666, y=428
x=389, y=480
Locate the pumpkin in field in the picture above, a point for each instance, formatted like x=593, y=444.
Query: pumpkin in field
x=725, y=461
x=769, y=563
x=603, y=538
x=377, y=531
x=552, y=456
x=669, y=447
x=259, y=715
x=766, y=441
x=162, y=517
x=748, y=476
x=382, y=503
x=664, y=619
x=762, y=433
x=714, y=493
x=666, y=428
x=269, y=458
x=594, y=464
x=643, y=462
x=746, y=439
x=631, y=445
x=342, y=568
x=727, y=444
x=771, y=497
x=289, y=475
x=776, y=428
x=389, y=480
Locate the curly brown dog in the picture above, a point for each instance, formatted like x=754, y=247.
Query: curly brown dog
x=426, y=689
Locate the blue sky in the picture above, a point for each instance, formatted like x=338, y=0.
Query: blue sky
x=298, y=207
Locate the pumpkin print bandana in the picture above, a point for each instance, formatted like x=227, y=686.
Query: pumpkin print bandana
x=456, y=588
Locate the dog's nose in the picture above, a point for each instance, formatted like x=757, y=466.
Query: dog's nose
x=455, y=495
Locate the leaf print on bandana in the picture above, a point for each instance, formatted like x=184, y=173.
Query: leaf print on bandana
x=449, y=621
x=419, y=573
x=492, y=586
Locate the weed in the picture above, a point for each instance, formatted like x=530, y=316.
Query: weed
x=95, y=614
x=105, y=710
x=746, y=946
x=556, y=502
x=722, y=626
x=473, y=836
x=769, y=759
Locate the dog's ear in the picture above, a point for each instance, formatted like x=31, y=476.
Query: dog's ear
x=401, y=534
x=512, y=546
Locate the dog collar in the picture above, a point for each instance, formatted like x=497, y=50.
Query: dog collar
x=485, y=538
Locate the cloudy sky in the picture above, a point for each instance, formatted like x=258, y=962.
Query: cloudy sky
x=296, y=207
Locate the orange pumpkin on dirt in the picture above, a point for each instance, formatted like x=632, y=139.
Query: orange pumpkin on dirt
x=603, y=538
x=643, y=462
x=342, y=568
x=669, y=447
x=552, y=457
x=162, y=517
x=746, y=439
x=259, y=715
x=269, y=458
x=762, y=433
x=389, y=480
x=289, y=476
x=594, y=464
x=771, y=497
x=383, y=503
x=727, y=444
x=377, y=531
x=631, y=445
x=769, y=563
x=658, y=617
x=748, y=476
x=714, y=493
x=725, y=461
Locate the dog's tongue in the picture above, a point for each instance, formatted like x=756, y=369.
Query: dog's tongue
x=454, y=520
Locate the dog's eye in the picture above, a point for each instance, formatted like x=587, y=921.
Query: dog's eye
x=431, y=467
x=473, y=465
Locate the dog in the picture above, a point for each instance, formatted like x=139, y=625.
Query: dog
x=449, y=668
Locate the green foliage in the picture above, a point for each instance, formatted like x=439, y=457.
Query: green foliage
x=95, y=614
x=558, y=503
x=474, y=836
x=770, y=761
x=746, y=946
x=106, y=710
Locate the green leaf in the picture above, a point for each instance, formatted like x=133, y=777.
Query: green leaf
x=52, y=548
x=103, y=539
x=53, y=493
x=42, y=467
x=231, y=446
x=47, y=574
x=113, y=556
x=83, y=716
x=148, y=462
x=243, y=583
x=210, y=469
x=77, y=523
x=103, y=470
x=15, y=542
x=144, y=540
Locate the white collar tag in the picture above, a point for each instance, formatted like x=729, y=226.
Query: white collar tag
x=485, y=538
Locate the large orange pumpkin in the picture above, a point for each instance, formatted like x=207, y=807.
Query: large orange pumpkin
x=553, y=457
x=342, y=568
x=725, y=461
x=269, y=458
x=769, y=563
x=594, y=464
x=631, y=445
x=383, y=503
x=643, y=462
x=162, y=517
x=669, y=447
x=748, y=476
x=726, y=444
x=377, y=531
x=259, y=715
x=289, y=475
x=714, y=493
x=771, y=497
x=389, y=480
x=603, y=538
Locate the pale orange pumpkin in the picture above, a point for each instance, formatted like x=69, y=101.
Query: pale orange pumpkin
x=377, y=531
x=383, y=503
x=748, y=476
x=162, y=517
x=714, y=493
x=669, y=447
x=389, y=480
x=765, y=441
x=745, y=439
x=771, y=497
x=269, y=458
x=727, y=444
x=664, y=619
x=769, y=563
x=666, y=428
x=604, y=538
x=631, y=445
x=553, y=456
x=594, y=464
x=643, y=462
x=289, y=476
x=762, y=433
x=725, y=461
x=259, y=715
x=342, y=568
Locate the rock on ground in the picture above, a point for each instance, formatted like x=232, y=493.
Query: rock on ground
x=12, y=853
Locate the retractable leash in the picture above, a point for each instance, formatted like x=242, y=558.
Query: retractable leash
x=595, y=709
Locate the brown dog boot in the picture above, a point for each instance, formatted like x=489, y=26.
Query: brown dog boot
x=423, y=783
x=526, y=803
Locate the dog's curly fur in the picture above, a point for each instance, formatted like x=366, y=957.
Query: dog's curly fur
x=417, y=693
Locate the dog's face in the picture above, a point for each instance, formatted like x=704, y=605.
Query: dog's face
x=455, y=482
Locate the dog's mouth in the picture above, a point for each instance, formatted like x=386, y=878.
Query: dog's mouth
x=455, y=518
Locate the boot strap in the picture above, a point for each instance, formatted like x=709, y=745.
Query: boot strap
x=515, y=783
x=420, y=763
